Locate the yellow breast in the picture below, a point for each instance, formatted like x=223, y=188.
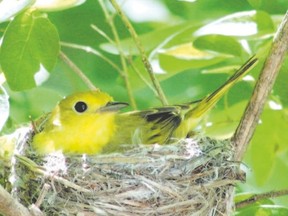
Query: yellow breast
x=81, y=134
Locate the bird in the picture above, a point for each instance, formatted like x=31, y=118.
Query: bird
x=90, y=122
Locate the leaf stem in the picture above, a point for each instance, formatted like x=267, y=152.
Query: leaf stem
x=89, y=49
x=258, y=197
x=102, y=33
x=77, y=70
x=136, y=70
x=122, y=55
x=140, y=48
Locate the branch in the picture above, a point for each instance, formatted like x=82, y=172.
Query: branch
x=258, y=197
x=139, y=74
x=140, y=48
x=10, y=206
x=77, y=70
x=121, y=53
x=89, y=49
x=263, y=87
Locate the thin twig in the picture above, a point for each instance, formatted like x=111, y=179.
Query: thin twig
x=67, y=183
x=121, y=53
x=45, y=189
x=10, y=206
x=102, y=33
x=31, y=165
x=140, y=48
x=89, y=49
x=136, y=70
x=258, y=197
x=77, y=70
x=263, y=87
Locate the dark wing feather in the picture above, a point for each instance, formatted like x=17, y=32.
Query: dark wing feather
x=147, y=127
x=162, y=123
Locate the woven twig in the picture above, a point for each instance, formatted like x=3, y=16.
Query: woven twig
x=189, y=177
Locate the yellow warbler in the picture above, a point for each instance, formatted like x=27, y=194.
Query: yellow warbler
x=89, y=122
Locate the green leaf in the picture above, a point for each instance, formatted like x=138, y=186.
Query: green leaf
x=253, y=210
x=280, y=87
x=241, y=24
x=4, y=107
x=33, y=103
x=271, y=210
x=267, y=142
x=174, y=62
x=219, y=43
x=242, y=196
x=255, y=3
x=30, y=40
x=263, y=209
x=225, y=121
x=272, y=7
x=264, y=23
x=10, y=8
x=154, y=40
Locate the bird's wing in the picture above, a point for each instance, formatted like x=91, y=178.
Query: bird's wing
x=148, y=126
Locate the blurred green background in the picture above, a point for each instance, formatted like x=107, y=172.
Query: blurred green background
x=193, y=46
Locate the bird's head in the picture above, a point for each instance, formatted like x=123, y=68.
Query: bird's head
x=90, y=102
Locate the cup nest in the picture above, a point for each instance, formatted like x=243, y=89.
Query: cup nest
x=190, y=177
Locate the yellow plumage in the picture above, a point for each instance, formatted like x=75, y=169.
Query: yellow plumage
x=89, y=122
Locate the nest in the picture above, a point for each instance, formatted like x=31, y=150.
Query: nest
x=190, y=177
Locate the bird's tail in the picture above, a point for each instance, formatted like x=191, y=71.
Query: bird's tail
x=208, y=102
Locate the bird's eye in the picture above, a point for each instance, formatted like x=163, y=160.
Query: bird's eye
x=80, y=107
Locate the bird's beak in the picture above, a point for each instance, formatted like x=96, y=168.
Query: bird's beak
x=113, y=106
